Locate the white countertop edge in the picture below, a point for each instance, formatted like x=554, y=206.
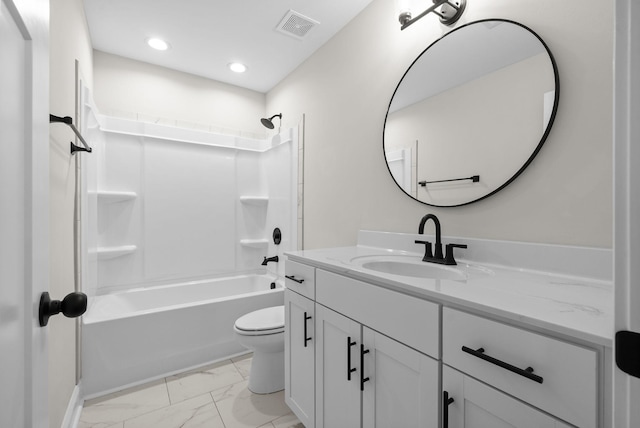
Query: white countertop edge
x=503, y=312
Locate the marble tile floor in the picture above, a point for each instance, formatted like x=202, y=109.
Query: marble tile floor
x=214, y=396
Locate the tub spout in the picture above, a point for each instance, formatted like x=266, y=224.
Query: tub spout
x=270, y=259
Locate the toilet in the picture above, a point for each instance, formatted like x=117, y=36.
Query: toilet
x=262, y=331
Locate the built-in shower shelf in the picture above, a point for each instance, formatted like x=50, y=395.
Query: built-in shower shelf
x=113, y=196
x=106, y=253
x=254, y=200
x=254, y=243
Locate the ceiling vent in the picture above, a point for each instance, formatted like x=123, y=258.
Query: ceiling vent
x=296, y=25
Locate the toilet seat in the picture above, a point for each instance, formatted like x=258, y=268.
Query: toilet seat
x=261, y=322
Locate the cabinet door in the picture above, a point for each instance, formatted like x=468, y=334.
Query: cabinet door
x=402, y=388
x=477, y=405
x=299, y=344
x=337, y=370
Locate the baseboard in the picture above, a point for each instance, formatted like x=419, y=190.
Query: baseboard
x=74, y=408
x=150, y=379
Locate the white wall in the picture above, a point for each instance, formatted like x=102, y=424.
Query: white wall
x=141, y=91
x=564, y=197
x=69, y=42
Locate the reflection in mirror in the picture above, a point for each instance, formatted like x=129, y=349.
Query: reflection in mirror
x=470, y=113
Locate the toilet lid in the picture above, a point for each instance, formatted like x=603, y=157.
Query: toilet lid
x=262, y=320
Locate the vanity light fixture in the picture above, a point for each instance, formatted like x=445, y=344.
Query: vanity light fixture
x=450, y=11
x=157, y=44
x=237, y=67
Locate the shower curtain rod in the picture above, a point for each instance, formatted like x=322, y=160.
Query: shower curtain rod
x=69, y=121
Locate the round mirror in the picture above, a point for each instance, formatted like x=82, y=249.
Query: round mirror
x=471, y=113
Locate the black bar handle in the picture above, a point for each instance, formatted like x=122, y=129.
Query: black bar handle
x=349, y=368
x=294, y=279
x=528, y=372
x=306, y=339
x=362, y=378
x=446, y=401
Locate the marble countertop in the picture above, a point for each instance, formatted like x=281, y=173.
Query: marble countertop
x=573, y=306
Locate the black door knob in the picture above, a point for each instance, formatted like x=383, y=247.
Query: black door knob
x=72, y=306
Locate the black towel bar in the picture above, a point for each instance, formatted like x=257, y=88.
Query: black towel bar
x=68, y=121
x=474, y=178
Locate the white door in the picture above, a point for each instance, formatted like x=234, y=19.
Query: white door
x=627, y=204
x=402, y=390
x=24, y=247
x=473, y=404
x=299, y=356
x=337, y=370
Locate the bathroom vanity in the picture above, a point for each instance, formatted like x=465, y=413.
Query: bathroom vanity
x=376, y=337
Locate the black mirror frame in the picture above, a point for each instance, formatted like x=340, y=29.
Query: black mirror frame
x=535, y=151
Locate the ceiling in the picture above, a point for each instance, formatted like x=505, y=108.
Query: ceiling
x=206, y=35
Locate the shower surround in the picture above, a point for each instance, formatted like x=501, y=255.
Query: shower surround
x=167, y=206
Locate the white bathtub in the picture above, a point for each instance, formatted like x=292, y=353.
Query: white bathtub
x=135, y=336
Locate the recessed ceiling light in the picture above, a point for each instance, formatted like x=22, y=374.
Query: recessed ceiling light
x=237, y=67
x=158, y=44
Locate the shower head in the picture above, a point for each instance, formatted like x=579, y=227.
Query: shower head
x=268, y=123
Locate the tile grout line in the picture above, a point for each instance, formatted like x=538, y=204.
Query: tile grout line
x=217, y=410
x=166, y=386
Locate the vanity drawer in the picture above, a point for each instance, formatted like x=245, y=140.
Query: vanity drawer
x=300, y=278
x=409, y=320
x=568, y=373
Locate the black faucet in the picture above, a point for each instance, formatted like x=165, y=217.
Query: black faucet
x=438, y=253
x=436, y=257
x=270, y=259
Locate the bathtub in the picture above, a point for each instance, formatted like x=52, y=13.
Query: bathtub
x=135, y=336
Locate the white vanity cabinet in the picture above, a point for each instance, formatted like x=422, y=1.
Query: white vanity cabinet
x=554, y=376
x=362, y=375
x=300, y=342
x=338, y=372
x=384, y=356
x=372, y=367
x=473, y=404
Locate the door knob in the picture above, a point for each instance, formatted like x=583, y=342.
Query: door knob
x=72, y=306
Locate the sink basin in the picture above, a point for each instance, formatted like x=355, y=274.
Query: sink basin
x=416, y=270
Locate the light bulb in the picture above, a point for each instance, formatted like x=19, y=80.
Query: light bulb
x=237, y=67
x=158, y=44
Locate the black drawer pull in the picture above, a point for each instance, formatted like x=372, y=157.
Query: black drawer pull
x=362, y=378
x=306, y=339
x=294, y=279
x=349, y=368
x=528, y=372
x=446, y=401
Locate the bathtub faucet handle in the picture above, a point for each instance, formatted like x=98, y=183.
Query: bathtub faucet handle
x=270, y=259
